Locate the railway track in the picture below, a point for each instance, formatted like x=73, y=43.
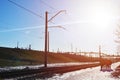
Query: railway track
x=42, y=72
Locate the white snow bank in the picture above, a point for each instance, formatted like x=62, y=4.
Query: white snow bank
x=87, y=74
x=39, y=66
x=70, y=64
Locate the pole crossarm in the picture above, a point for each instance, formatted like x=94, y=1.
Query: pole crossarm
x=57, y=27
x=56, y=15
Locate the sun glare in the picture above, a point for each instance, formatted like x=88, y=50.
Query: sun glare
x=102, y=16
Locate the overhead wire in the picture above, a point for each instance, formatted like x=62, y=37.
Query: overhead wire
x=47, y=4
x=19, y=29
x=30, y=10
x=26, y=9
x=56, y=10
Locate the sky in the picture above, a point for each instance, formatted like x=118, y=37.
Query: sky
x=87, y=23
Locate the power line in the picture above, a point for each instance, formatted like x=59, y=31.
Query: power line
x=26, y=9
x=47, y=5
x=51, y=7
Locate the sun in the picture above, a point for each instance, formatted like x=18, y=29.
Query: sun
x=101, y=17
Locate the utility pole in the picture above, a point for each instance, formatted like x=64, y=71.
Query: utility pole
x=58, y=50
x=46, y=38
x=99, y=51
x=79, y=52
x=17, y=45
x=29, y=46
x=71, y=48
x=100, y=57
x=76, y=50
x=46, y=35
x=48, y=42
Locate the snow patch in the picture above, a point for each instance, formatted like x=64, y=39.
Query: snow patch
x=39, y=66
x=87, y=74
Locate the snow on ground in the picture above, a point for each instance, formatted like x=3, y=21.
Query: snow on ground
x=39, y=66
x=86, y=74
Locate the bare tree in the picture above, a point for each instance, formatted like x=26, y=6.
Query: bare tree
x=117, y=33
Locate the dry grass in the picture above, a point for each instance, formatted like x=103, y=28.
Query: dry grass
x=13, y=56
